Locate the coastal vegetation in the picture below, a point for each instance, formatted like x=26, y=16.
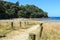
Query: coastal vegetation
x=51, y=30
x=7, y=27
x=10, y=10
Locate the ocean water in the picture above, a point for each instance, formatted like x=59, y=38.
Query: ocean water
x=48, y=19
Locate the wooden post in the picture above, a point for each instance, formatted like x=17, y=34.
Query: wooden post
x=12, y=26
x=41, y=29
x=32, y=36
x=25, y=23
x=20, y=24
x=1, y=36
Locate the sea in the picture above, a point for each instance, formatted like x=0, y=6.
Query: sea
x=55, y=19
x=48, y=19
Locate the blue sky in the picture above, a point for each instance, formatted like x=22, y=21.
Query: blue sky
x=50, y=6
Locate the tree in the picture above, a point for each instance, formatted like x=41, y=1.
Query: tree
x=1, y=0
x=13, y=10
x=45, y=14
x=17, y=3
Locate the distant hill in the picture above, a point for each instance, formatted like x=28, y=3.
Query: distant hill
x=14, y=10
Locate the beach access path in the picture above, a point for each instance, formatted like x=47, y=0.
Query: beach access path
x=22, y=35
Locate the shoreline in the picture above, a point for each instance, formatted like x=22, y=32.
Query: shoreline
x=28, y=19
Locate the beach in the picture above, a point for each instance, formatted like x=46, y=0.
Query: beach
x=51, y=29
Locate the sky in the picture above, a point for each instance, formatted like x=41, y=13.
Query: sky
x=50, y=6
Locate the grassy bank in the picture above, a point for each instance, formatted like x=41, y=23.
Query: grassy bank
x=6, y=26
x=51, y=31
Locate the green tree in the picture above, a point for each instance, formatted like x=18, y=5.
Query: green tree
x=1, y=0
x=13, y=10
x=17, y=3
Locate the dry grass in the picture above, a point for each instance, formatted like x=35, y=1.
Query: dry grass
x=51, y=31
x=5, y=27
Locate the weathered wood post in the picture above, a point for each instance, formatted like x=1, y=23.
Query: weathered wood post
x=41, y=29
x=1, y=36
x=32, y=36
x=25, y=23
x=20, y=24
x=12, y=26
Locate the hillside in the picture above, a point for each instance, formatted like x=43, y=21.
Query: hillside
x=10, y=10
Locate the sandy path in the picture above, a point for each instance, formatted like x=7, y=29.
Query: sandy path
x=22, y=35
